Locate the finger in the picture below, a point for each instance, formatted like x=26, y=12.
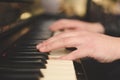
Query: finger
x=60, y=43
x=77, y=54
x=66, y=37
x=70, y=56
x=57, y=37
x=77, y=34
x=60, y=25
x=63, y=35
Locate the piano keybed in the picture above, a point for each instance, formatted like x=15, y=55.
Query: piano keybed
x=24, y=62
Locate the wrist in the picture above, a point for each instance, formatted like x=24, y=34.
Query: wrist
x=116, y=48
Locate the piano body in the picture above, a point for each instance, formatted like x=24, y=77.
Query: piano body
x=22, y=26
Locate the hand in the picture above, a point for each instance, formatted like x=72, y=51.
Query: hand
x=98, y=46
x=67, y=24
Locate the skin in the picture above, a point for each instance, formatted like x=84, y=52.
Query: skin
x=67, y=24
x=89, y=43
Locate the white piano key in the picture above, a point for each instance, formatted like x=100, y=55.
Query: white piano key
x=59, y=70
x=58, y=53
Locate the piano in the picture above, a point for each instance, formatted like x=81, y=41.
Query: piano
x=23, y=24
x=21, y=29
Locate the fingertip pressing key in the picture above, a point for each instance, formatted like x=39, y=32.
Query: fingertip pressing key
x=41, y=47
x=38, y=46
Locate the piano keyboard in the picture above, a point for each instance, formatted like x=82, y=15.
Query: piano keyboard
x=24, y=62
x=63, y=69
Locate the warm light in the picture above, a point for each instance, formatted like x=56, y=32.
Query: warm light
x=25, y=15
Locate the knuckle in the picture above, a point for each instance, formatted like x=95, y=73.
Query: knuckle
x=62, y=20
x=48, y=47
x=64, y=41
x=68, y=41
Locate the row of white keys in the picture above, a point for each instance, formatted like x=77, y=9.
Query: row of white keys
x=59, y=69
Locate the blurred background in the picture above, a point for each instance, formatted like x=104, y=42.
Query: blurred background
x=16, y=10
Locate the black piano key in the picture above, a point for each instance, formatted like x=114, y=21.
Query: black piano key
x=15, y=76
x=28, y=58
x=26, y=50
x=45, y=55
x=23, y=64
x=21, y=72
x=40, y=36
x=32, y=41
x=26, y=44
x=27, y=47
x=18, y=77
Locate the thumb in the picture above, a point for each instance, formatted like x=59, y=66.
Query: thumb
x=77, y=54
